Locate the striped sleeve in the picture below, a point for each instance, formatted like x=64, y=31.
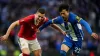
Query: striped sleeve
x=78, y=18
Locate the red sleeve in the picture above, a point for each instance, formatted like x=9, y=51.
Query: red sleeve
x=26, y=19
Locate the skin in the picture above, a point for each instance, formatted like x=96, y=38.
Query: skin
x=40, y=17
x=16, y=23
x=65, y=15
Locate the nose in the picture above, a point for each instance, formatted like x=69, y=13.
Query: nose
x=62, y=15
x=39, y=18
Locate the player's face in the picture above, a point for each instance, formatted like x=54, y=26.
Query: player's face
x=40, y=17
x=64, y=13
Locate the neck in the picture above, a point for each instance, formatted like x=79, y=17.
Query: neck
x=66, y=19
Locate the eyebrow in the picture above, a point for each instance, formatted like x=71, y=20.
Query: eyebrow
x=40, y=16
x=62, y=13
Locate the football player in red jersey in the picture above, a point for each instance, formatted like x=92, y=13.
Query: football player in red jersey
x=27, y=33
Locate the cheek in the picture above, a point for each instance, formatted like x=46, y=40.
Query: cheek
x=66, y=14
x=39, y=19
x=62, y=15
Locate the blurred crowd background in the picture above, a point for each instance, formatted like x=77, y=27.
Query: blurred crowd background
x=49, y=39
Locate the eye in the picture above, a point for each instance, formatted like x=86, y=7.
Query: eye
x=39, y=16
x=62, y=13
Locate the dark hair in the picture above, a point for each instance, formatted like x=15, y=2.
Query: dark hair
x=63, y=6
x=41, y=10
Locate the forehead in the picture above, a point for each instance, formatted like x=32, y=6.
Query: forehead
x=63, y=11
x=41, y=14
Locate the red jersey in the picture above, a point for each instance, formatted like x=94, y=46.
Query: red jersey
x=28, y=28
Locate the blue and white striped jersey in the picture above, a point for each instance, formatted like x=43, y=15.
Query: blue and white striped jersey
x=73, y=24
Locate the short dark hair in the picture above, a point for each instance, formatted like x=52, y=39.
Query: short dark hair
x=63, y=6
x=41, y=10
